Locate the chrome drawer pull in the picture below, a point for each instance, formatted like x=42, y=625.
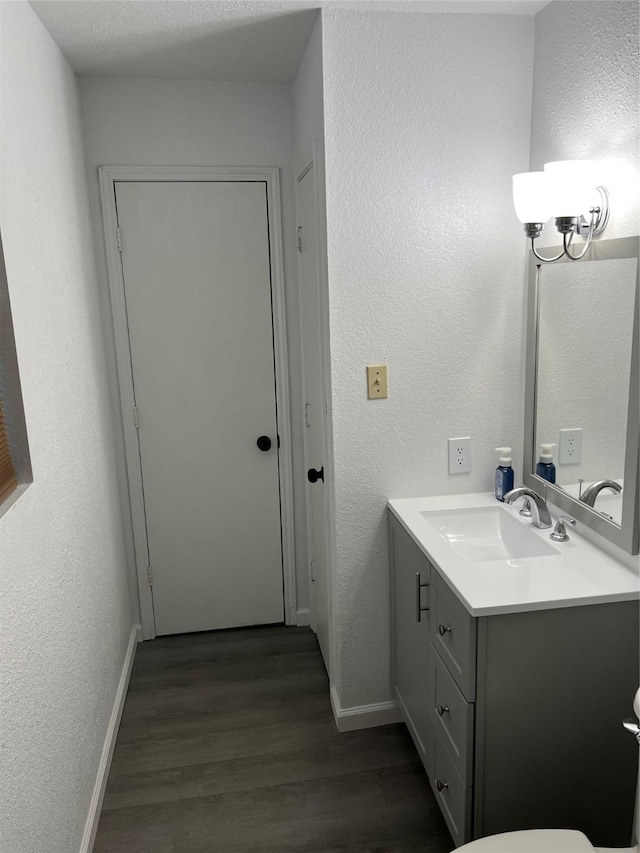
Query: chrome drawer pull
x=444, y=629
x=442, y=709
x=419, y=586
x=440, y=785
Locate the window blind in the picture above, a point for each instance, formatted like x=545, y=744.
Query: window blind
x=8, y=479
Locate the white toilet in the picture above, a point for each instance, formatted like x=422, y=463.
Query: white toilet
x=553, y=840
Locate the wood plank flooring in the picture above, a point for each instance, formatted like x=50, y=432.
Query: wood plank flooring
x=228, y=745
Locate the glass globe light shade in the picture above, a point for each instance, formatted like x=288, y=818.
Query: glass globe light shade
x=572, y=186
x=531, y=197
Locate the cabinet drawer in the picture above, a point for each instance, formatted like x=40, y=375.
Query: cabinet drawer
x=452, y=716
x=453, y=634
x=453, y=796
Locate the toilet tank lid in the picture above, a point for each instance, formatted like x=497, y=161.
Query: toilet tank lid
x=532, y=841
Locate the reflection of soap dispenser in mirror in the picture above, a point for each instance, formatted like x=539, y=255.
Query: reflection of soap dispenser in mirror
x=545, y=467
x=504, y=473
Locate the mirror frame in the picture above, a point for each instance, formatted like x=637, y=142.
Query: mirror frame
x=627, y=535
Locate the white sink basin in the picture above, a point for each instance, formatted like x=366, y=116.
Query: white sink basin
x=496, y=562
x=482, y=534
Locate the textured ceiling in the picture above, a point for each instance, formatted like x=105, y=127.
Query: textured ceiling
x=241, y=40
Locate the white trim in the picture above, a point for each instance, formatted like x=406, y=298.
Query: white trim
x=315, y=161
x=95, y=806
x=307, y=165
x=281, y=359
x=325, y=341
x=269, y=175
x=107, y=179
x=363, y=716
x=302, y=616
x=13, y=497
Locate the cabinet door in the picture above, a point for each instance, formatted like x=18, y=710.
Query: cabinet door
x=553, y=687
x=411, y=684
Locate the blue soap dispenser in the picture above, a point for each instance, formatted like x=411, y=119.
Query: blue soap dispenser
x=504, y=473
x=545, y=467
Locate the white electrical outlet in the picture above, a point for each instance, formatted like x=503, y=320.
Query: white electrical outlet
x=460, y=455
x=570, y=447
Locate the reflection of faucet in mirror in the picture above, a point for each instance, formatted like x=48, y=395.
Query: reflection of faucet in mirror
x=539, y=509
x=589, y=495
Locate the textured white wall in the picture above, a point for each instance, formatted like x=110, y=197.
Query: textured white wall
x=584, y=363
x=65, y=615
x=198, y=123
x=426, y=119
x=585, y=98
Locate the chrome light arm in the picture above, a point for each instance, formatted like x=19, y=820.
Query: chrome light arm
x=568, y=226
x=567, y=242
x=541, y=257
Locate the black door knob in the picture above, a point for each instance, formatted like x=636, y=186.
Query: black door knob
x=264, y=443
x=313, y=476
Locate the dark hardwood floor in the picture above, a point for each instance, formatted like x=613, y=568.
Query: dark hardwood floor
x=228, y=744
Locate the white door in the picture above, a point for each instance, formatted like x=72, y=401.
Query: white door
x=195, y=258
x=315, y=409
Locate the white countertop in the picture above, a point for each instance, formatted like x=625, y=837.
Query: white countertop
x=579, y=574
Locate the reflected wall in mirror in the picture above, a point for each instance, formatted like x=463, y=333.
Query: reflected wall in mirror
x=583, y=375
x=585, y=335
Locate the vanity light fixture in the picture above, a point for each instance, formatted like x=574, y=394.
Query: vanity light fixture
x=566, y=190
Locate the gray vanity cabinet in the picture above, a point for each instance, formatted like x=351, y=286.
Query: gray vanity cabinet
x=410, y=614
x=517, y=716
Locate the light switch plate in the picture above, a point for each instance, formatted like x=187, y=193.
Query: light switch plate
x=377, y=382
x=570, y=447
x=460, y=455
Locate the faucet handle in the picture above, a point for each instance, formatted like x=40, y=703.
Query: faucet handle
x=526, y=508
x=560, y=531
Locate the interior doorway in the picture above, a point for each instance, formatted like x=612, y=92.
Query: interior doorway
x=200, y=358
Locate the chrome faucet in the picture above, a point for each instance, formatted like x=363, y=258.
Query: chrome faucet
x=539, y=510
x=590, y=494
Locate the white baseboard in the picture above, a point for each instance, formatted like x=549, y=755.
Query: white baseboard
x=91, y=826
x=363, y=716
x=302, y=616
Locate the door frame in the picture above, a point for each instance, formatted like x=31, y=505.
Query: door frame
x=299, y=175
x=315, y=161
x=269, y=175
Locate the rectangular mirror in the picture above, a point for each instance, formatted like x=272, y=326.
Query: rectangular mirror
x=582, y=386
